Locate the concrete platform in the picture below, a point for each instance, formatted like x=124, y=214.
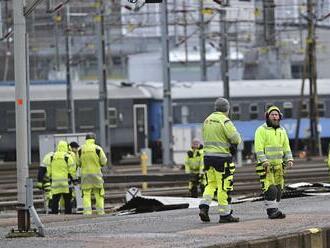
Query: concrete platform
x=307, y=225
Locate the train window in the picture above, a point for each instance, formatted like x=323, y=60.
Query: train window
x=62, y=119
x=235, y=113
x=254, y=111
x=321, y=109
x=87, y=118
x=10, y=121
x=112, y=114
x=268, y=105
x=287, y=109
x=304, y=110
x=38, y=119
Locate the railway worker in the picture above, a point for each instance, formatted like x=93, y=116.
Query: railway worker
x=44, y=182
x=194, y=164
x=273, y=154
x=91, y=158
x=74, y=187
x=59, y=170
x=219, y=134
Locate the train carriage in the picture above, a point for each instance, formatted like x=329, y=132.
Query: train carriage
x=135, y=110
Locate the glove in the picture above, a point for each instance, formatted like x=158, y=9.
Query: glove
x=233, y=149
x=289, y=164
x=39, y=185
x=190, y=154
x=266, y=165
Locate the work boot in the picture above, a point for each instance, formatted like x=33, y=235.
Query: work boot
x=274, y=213
x=204, y=213
x=228, y=218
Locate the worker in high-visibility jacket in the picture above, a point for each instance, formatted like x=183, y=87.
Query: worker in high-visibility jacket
x=274, y=155
x=194, y=164
x=91, y=158
x=219, y=134
x=44, y=182
x=59, y=170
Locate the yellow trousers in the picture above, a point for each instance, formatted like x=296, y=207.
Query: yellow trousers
x=87, y=200
x=223, y=182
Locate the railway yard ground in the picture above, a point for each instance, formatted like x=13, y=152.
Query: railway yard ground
x=307, y=223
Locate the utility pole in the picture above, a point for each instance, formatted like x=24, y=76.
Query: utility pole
x=314, y=136
x=167, y=139
x=202, y=37
x=69, y=92
x=185, y=31
x=21, y=97
x=224, y=53
x=102, y=77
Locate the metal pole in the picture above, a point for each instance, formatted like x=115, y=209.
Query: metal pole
x=69, y=93
x=202, y=37
x=20, y=99
x=167, y=98
x=102, y=77
x=312, y=77
x=224, y=54
x=185, y=32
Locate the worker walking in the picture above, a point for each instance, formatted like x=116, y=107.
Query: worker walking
x=273, y=154
x=219, y=134
x=91, y=158
x=59, y=170
x=194, y=164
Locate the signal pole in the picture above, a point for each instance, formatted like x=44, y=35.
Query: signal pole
x=21, y=97
x=69, y=92
x=167, y=139
x=102, y=77
x=224, y=53
x=314, y=136
x=202, y=37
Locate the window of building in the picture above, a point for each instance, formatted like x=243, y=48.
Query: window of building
x=254, y=111
x=38, y=119
x=10, y=121
x=113, y=117
x=235, y=113
x=86, y=118
x=288, y=109
x=321, y=109
x=62, y=119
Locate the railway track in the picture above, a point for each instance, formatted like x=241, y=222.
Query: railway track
x=161, y=181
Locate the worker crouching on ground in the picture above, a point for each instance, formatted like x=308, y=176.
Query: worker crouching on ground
x=219, y=133
x=59, y=170
x=194, y=164
x=91, y=159
x=273, y=154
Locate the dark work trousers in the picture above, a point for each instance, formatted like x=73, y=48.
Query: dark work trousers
x=67, y=203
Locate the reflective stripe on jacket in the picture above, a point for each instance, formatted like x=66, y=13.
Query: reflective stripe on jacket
x=59, y=169
x=195, y=163
x=91, y=160
x=218, y=134
x=272, y=145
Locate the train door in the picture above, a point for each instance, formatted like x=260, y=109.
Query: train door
x=140, y=127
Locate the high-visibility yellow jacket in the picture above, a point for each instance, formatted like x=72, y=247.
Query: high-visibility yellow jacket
x=58, y=168
x=272, y=145
x=91, y=159
x=218, y=135
x=73, y=169
x=194, y=161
